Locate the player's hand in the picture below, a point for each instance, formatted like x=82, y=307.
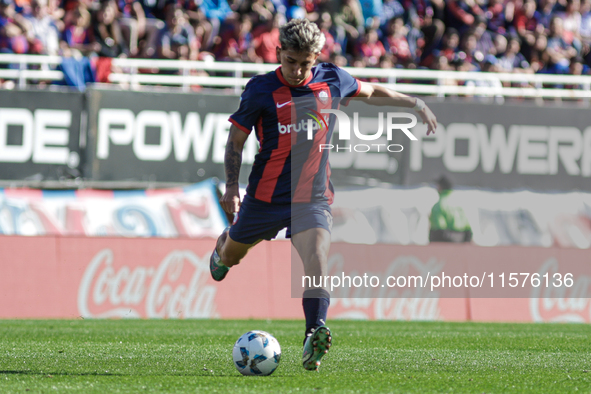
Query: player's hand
x=429, y=119
x=230, y=201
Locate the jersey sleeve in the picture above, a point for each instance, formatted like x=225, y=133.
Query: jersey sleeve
x=250, y=108
x=349, y=86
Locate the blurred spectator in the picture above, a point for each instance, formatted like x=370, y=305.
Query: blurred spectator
x=461, y=14
x=77, y=38
x=495, y=14
x=338, y=60
x=558, y=49
x=330, y=45
x=545, y=12
x=236, y=43
x=203, y=28
x=154, y=12
x=500, y=44
x=538, y=57
x=468, y=48
x=348, y=24
x=527, y=23
x=45, y=36
x=571, y=22
x=585, y=31
x=56, y=13
x=490, y=64
x=484, y=39
x=451, y=43
x=177, y=39
x=390, y=9
x=513, y=60
x=132, y=23
x=416, y=41
x=396, y=42
x=371, y=11
x=107, y=32
x=576, y=68
x=431, y=24
x=216, y=12
x=441, y=63
x=260, y=11
x=371, y=48
x=13, y=29
x=266, y=39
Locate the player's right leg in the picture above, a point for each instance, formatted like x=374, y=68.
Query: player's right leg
x=227, y=253
x=255, y=221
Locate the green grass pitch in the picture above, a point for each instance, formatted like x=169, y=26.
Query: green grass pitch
x=194, y=356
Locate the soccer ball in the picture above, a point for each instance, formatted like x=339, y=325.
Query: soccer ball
x=256, y=353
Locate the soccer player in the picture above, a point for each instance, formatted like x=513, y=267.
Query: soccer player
x=271, y=203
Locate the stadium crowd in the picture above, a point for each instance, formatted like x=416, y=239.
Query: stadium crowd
x=522, y=36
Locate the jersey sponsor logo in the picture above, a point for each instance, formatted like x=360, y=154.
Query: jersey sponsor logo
x=302, y=125
x=283, y=104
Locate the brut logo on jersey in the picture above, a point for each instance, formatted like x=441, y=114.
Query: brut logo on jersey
x=123, y=127
x=44, y=136
x=315, y=121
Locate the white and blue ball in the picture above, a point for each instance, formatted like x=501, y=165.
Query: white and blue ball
x=256, y=353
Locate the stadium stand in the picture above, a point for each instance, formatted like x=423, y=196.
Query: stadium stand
x=395, y=41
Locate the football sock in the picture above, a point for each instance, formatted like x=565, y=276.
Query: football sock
x=315, y=303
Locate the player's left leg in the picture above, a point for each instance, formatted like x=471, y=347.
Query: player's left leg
x=313, y=246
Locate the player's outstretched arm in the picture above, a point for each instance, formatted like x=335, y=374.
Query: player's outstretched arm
x=230, y=201
x=397, y=99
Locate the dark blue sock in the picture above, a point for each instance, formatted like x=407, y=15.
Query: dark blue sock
x=315, y=303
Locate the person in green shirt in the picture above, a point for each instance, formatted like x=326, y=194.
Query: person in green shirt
x=448, y=220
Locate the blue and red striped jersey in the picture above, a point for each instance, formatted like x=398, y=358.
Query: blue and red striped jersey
x=281, y=174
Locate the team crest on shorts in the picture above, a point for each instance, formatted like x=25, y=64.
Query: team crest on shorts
x=323, y=96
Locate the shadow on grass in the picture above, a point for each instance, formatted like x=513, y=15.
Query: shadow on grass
x=205, y=375
x=17, y=372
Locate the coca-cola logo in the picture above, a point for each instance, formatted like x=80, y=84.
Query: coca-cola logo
x=175, y=288
x=385, y=302
x=560, y=303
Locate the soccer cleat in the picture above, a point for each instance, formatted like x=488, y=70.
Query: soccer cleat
x=315, y=347
x=218, y=272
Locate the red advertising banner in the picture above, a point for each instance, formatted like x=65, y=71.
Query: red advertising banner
x=93, y=277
